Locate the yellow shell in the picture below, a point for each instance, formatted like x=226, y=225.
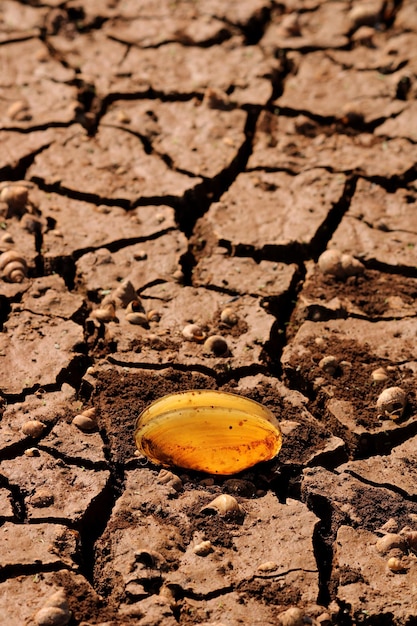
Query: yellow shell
x=209, y=431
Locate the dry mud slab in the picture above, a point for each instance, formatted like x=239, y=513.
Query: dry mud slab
x=170, y=177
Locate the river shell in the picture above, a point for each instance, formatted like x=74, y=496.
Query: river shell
x=208, y=431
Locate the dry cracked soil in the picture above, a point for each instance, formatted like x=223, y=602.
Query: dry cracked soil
x=248, y=168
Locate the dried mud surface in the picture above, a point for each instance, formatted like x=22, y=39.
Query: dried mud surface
x=165, y=164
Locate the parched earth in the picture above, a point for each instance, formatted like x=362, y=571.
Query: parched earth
x=169, y=163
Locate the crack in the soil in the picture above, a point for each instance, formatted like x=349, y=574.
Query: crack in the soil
x=229, y=373
x=382, y=485
x=31, y=569
x=17, y=500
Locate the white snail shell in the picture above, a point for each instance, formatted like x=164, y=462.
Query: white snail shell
x=193, y=332
x=13, y=266
x=217, y=345
x=391, y=402
x=223, y=505
x=15, y=196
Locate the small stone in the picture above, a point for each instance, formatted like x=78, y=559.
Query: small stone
x=33, y=428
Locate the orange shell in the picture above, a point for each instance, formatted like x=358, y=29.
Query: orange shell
x=208, y=431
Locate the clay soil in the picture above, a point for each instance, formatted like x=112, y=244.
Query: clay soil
x=168, y=163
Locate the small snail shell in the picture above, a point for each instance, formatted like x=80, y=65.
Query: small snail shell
x=330, y=262
x=84, y=423
x=135, y=306
x=292, y=617
x=395, y=564
x=223, y=505
x=52, y=616
x=351, y=266
x=7, y=238
x=106, y=313
x=389, y=542
x=19, y=111
x=13, y=266
x=55, y=611
x=411, y=538
x=153, y=315
x=340, y=265
x=193, y=332
x=391, y=402
x=58, y=599
x=138, y=318
x=33, y=428
x=228, y=316
x=32, y=452
x=329, y=364
x=91, y=412
x=379, y=375
x=390, y=526
x=15, y=196
x=123, y=294
x=165, y=477
x=217, y=345
x=268, y=566
x=203, y=549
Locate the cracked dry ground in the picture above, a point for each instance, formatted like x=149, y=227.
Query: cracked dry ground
x=198, y=156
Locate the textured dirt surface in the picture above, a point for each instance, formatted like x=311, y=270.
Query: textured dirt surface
x=168, y=164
